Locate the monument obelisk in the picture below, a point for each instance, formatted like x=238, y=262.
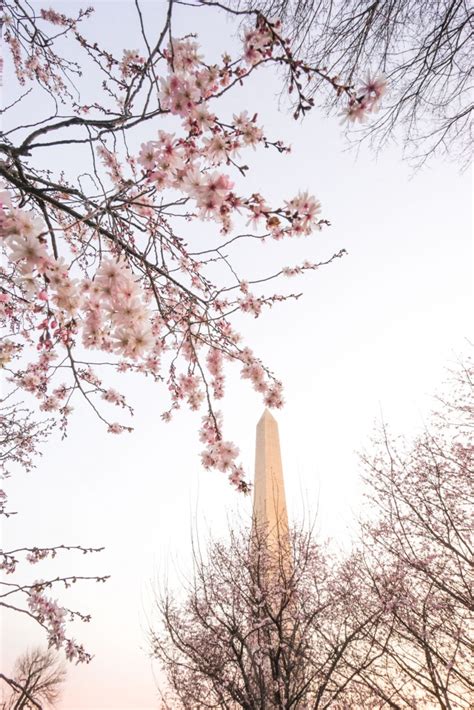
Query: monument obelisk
x=270, y=516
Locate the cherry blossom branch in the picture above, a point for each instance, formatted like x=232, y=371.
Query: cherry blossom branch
x=102, y=262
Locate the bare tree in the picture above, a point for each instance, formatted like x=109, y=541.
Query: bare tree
x=418, y=553
x=37, y=681
x=294, y=636
x=390, y=626
x=423, y=49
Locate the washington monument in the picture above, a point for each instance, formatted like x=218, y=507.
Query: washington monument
x=270, y=516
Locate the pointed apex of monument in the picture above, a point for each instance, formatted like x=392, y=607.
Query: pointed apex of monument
x=267, y=416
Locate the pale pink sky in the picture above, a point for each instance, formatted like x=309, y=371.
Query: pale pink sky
x=372, y=333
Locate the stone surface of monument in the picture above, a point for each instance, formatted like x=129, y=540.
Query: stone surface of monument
x=270, y=515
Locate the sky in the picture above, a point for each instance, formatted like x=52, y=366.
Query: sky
x=371, y=337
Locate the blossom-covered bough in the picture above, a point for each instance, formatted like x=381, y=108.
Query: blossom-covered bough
x=101, y=270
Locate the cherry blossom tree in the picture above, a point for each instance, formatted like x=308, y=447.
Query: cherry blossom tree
x=243, y=635
x=101, y=272
x=99, y=266
x=418, y=555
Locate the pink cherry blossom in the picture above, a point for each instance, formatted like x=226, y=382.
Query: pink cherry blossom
x=132, y=267
x=374, y=86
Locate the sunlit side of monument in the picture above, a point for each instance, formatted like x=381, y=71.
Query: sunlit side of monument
x=270, y=532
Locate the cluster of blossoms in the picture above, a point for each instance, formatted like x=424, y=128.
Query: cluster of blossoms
x=252, y=370
x=182, y=163
x=214, y=362
x=132, y=62
x=48, y=612
x=366, y=100
x=40, y=275
x=110, y=307
x=76, y=652
x=304, y=210
x=116, y=315
x=37, y=554
x=260, y=42
x=7, y=351
x=220, y=454
x=8, y=563
x=53, y=617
